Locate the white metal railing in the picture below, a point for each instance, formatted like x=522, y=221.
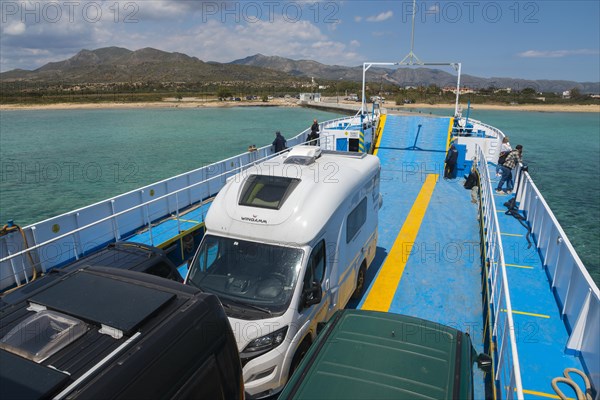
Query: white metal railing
x=59, y=240
x=477, y=123
x=507, y=371
x=577, y=294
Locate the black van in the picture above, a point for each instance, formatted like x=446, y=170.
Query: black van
x=131, y=256
x=109, y=333
x=121, y=255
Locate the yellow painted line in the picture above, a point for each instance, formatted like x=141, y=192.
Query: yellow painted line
x=383, y=290
x=511, y=234
x=182, y=234
x=379, y=131
x=519, y=266
x=449, y=133
x=542, y=394
x=189, y=220
x=527, y=313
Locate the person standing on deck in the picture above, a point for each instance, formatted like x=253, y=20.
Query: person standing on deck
x=451, y=158
x=279, y=144
x=512, y=160
x=314, y=134
x=505, y=149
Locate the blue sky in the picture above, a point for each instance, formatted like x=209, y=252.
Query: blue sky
x=520, y=39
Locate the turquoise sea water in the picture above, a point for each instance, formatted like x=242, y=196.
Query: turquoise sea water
x=55, y=161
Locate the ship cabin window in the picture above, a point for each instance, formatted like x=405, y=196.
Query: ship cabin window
x=266, y=191
x=356, y=220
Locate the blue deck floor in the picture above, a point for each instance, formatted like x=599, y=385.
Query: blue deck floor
x=441, y=279
x=167, y=229
x=541, y=333
x=442, y=275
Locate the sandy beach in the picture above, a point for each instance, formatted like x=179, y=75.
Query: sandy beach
x=291, y=102
x=184, y=103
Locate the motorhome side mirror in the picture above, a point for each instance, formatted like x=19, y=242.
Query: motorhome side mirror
x=484, y=362
x=312, y=295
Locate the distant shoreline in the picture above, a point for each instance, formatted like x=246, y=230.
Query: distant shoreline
x=517, y=107
x=293, y=103
x=151, y=104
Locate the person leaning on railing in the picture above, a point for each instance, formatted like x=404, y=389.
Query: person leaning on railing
x=512, y=160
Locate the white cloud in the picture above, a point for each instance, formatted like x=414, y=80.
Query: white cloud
x=354, y=43
x=357, y=18
x=14, y=29
x=434, y=8
x=215, y=41
x=380, y=17
x=557, y=53
x=210, y=40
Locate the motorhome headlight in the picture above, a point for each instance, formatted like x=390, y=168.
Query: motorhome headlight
x=265, y=343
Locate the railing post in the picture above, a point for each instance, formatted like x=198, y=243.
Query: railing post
x=177, y=213
x=149, y=224
x=115, y=223
x=77, y=239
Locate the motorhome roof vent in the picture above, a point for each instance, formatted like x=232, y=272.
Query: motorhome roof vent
x=267, y=191
x=303, y=155
x=42, y=334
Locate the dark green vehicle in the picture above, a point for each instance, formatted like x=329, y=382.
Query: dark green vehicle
x=374, y=355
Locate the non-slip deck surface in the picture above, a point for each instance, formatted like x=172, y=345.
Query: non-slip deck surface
x=428, y=261
x=541, y=333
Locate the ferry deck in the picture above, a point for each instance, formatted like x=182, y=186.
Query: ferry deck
x=431, y=260
x=428, y=262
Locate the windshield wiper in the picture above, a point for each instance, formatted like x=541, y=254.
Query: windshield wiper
x=245, y=305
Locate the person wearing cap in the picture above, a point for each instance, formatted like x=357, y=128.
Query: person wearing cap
x=512, y=160
x=505, y=149
x=451, y=158
x=279, y=144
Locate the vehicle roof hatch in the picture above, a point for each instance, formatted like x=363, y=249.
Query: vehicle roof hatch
x=303, y=155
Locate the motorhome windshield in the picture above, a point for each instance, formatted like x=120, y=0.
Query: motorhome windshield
x=243, y=273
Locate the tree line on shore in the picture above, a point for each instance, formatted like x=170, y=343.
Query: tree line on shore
x=36, y=93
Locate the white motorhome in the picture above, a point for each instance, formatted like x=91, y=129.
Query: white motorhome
x=287, y=244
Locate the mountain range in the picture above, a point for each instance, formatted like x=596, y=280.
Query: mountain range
x=120, y=65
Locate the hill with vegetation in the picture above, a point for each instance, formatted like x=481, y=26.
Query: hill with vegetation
x=119, y=74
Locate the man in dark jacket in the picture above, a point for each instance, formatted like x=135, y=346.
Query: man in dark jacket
x=279, y=144
x=451, y=158
x=314, y=134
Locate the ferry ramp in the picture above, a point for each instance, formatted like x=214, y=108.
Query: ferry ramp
x=428, y=257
